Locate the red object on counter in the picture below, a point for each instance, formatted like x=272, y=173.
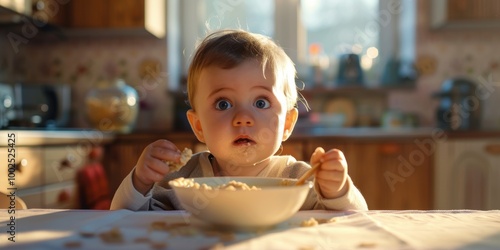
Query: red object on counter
x=93, y=185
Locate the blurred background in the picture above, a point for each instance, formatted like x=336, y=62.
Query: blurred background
x=407, y=89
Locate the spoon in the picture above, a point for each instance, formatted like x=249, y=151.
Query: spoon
x=308, y=174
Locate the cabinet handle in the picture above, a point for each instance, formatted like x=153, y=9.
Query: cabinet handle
x=65, y=163
x=21, y=165
x=493, y=149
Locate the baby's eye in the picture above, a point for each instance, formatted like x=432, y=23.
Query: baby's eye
x=262, y=104
x=222, y=105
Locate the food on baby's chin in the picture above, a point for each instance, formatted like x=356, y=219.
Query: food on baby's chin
x=232, y=185
x=185, y=156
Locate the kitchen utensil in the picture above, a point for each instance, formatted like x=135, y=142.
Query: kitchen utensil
x=308, y=174
x=243, y=209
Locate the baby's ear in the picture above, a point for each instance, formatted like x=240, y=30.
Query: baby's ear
x=195, y=123
x=290, y=120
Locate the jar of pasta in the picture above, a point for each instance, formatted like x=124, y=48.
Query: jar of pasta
x=112, y=106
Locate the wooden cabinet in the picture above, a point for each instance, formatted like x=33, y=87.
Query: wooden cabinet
x=473, y=10
x=391, y=174
x=103, y=18
x=106, y=14
x=295, y=148
x=465, y=14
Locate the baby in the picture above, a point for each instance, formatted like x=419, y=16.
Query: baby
x=243, y=98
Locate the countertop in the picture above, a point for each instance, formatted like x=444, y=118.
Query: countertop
x=75, y=136
x=53, y=137
x=124, y=229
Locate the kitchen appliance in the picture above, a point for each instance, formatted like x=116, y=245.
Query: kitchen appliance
x=349, y=73
x=6, y=105
x=36, y=105
x=459, y=107
x=398, y=73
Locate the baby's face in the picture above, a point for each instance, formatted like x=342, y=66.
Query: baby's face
x=240, y=114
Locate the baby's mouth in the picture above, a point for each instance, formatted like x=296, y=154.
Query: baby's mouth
x=243, y=141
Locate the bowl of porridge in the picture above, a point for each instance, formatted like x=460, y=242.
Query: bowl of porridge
x=240, y=202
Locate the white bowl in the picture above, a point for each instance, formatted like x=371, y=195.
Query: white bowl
x=243, y=209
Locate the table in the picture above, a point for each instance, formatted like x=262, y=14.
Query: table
x=95, y=229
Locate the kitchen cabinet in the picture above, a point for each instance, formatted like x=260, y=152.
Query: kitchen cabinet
x=465, y=14
x=390, y=173
x=295, y=148
x=106, y=14
x=467, y=171
x=96, y=17
x=473, y=10
x=44, y=176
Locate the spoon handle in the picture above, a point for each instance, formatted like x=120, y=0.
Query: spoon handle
x=308, y=174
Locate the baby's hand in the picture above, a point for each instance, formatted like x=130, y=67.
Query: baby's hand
x=152, y=165
x=332, y=174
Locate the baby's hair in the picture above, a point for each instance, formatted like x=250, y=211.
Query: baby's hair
x=229, y=48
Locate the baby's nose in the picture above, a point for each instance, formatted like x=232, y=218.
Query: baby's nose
x=243, y=119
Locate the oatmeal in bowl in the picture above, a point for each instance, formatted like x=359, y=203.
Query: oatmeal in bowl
x=240, y=202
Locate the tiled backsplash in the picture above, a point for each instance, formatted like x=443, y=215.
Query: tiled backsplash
x=82, y=62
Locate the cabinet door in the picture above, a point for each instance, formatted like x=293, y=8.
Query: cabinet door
x=106, y=14
x=88, y=13
x=404, y=176
x=467, y=172
x=473, y=10
x=120, y=159
x=390, y=175
x=294, y=148
x=61, y=163
x=27, y=171
x=126, y=13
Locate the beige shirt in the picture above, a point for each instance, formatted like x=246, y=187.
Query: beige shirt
x=162, y=197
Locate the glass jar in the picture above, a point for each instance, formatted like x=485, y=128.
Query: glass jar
x=112, y=106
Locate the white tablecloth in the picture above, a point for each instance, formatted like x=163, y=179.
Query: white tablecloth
x=81, y=229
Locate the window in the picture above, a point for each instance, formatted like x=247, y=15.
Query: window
x=314, y=33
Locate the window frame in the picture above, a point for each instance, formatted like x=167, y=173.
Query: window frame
x=397, y=33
